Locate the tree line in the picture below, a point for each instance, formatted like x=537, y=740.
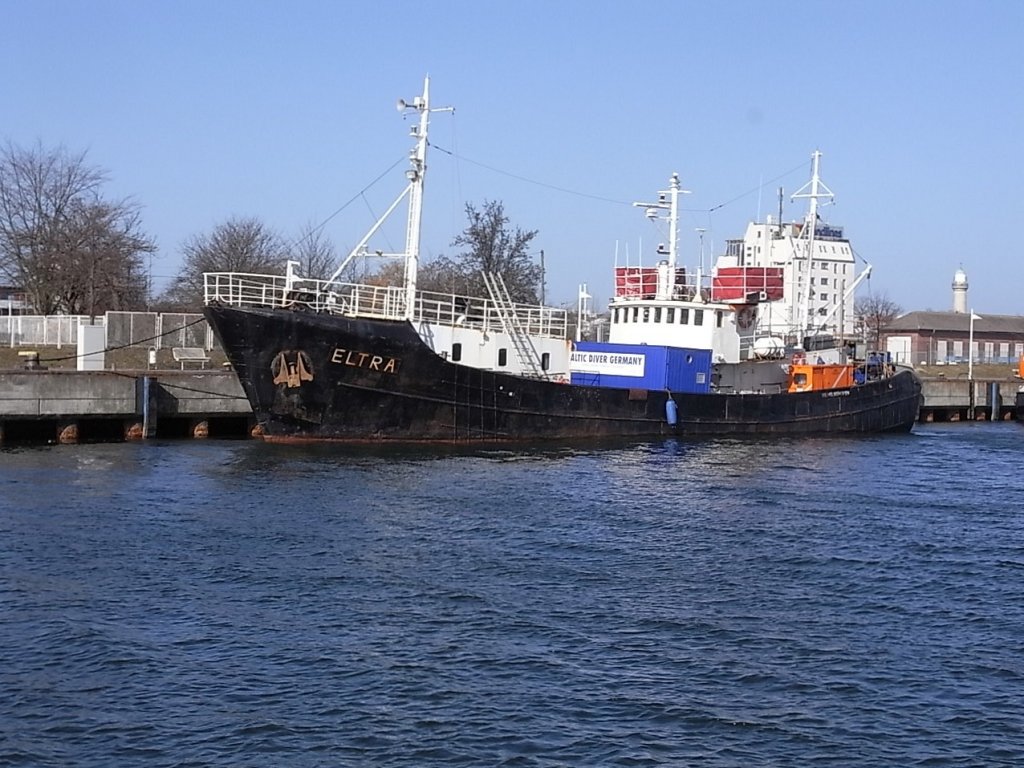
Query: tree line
x=74, y=250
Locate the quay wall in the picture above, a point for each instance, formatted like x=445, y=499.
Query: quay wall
x=71, y=406
x=962, y=399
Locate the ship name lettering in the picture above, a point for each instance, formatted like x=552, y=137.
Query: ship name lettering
x=357, y=359
x=841, y=393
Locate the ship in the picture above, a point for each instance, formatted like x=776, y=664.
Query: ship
x=328, y=360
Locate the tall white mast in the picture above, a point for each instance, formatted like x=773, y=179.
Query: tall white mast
x=817, y=189
x=415, y=175
x=668, y=200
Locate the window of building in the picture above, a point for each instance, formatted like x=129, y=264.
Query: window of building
x=824, y=297
x=502, y=357
x=456, y=352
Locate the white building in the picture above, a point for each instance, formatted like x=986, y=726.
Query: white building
x=819, y=273
x=829, y=308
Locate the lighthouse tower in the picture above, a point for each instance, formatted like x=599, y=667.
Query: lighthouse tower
x=960, y=292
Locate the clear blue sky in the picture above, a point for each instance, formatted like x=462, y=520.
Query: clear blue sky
x=566, y=112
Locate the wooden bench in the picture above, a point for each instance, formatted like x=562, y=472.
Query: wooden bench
x=190, y=355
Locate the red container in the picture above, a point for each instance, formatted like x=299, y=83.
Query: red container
x=641, y=282
x=737, y=283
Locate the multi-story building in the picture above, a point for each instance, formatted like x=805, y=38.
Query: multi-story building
x=817, y=267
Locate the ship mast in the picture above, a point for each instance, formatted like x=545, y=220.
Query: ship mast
x=817, y=190
x=416, y=175
x=668, y=200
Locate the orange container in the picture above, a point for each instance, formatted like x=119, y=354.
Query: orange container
x=806, y=377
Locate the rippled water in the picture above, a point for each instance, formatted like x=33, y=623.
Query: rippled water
x=712, y=603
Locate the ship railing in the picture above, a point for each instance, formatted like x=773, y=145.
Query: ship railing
x=376, y=301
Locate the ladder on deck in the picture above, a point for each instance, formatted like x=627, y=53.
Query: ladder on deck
x=529, y=360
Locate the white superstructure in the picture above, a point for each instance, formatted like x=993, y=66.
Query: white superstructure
x=667, y=307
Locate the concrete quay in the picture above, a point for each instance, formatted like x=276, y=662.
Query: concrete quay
x=67, y=406
x=968, y=400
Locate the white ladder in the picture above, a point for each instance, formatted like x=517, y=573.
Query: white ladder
x=529, y=360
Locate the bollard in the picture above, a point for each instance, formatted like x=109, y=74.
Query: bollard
x=995, y=400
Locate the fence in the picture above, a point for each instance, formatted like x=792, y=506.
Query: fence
x=161, y=330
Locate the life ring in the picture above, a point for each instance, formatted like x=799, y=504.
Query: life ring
x=745, y=317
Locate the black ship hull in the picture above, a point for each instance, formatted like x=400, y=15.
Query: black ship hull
x=318, y=377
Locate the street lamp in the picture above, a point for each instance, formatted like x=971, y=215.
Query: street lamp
x=970, y=347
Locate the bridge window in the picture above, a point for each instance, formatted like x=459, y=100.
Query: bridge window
x=647, y=314
x=670, y=315
x=657, y=314
x=684, y=316
x=698, y=317
x=718, y=318
x=456, y=352
x=636, y=314
x=502, y=357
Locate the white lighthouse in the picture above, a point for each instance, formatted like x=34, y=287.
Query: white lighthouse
x=960, y=292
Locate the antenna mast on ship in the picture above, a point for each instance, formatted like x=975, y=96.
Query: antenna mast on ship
x=817, y=189
x=668, y=200
x=416, y=175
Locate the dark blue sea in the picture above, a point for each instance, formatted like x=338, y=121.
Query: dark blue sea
x=794, y=602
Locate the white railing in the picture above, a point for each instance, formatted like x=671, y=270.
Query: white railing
x=376, y=301
x=42, y=330
x=160, y=330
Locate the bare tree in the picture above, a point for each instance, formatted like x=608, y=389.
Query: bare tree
x=439, y=275
x=61, y=242
x=873, y=313
x=315, y=253
x=236, y=245
x=491, y=246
